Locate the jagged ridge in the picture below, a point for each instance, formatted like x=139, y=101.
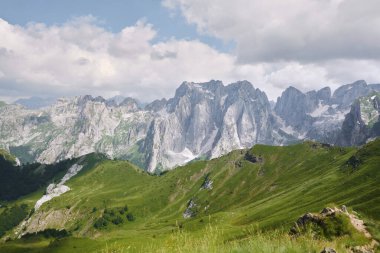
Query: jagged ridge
x=202, y=120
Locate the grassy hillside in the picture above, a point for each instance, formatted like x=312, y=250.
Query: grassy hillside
x=245, y=201
x=17, y=181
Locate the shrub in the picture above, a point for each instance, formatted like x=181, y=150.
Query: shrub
x=100, y=223
x=335, y=226
x=118, y=220
x=114, y=216
x=130, y=217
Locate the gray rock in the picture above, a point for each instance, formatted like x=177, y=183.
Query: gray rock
x=328, y=250
x=345, y=95
x=201, y=120
x=327, y=211
x=207, y=184
x=362, y=122
x=319, y=116
x=191, y=210
x=362, y=249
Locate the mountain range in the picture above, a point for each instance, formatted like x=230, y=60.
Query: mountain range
x=202, y=120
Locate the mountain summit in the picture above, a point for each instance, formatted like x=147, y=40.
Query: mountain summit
x=202, y=120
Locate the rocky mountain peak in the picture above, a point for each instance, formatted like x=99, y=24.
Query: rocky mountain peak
x=291, y=105
x=156, y=105
x=130, y=103
x=346, y=94
x=82, y=100
x=324, y=94
x=188, y=87
x=202, y=120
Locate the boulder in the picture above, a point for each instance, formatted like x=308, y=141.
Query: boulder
x=328, y=250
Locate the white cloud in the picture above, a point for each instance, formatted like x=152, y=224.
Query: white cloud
x=293, y=30
x=81, y=57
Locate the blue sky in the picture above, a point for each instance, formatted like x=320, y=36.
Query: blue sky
x=146, y=49
x=113, y=15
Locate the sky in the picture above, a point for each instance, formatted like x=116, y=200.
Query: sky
x=145, y=49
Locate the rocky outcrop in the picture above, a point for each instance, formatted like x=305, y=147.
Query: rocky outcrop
x=334, y=222
x=315, y=219
x=328, y=250
x=207, y=183
x=191, y=210
x=55, y=190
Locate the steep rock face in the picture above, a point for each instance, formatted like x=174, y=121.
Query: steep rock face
x=362, y=123
x=71, y=127
x=318, y=115
x=209, y=119
x=345, y=95
x=202, y=120
x=302, y=112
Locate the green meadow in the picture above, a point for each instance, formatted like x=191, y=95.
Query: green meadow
x=245, y=201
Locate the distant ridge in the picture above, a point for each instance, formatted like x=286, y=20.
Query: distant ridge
x=202, y=120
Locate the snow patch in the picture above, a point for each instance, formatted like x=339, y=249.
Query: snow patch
x=180, y=158
x=18, y=163
x=289, y=130
x=223, y=100
x=319, y=111
x=55, y=190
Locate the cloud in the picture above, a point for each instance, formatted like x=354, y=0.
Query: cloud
x=295, y=30
x=81, y=57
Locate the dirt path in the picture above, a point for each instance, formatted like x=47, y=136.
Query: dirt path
x=359, y=225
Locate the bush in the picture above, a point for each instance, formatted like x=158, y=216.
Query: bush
x=118, y=220
x=336, y=226
x=100, y=223
x=114, y=216
x=130, y=217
